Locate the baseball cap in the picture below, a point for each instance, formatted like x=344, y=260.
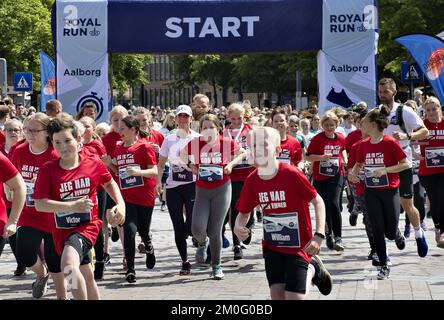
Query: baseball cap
x=183, y=108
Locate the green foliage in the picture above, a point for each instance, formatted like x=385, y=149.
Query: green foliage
x=128, y=70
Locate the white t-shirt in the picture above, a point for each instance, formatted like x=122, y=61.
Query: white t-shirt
x=307, y=137
x=411, y=122
x=171, y=150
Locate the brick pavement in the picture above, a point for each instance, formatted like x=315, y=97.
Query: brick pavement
x=354, y=277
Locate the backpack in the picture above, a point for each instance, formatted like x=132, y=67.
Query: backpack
x=399, y=119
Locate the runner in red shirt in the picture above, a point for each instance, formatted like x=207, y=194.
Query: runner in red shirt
x=14, y=182
x=67, y=188
x=137, y=171
x=238, y=131
x=155, y=138
x=28, y=157
x=289, y=247
x=212, y=158
x=431, y=167
x=381, y=158
x=327, y=152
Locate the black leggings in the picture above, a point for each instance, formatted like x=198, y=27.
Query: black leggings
x=330, y=192
x=418, y=201
x=435, y=191
x=236, y=188
x=28, y=244
x=138, y=219
x=98, y=246
x=383, y=210
x=177, y=198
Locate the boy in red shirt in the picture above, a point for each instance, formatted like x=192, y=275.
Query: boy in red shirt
x=289, y=247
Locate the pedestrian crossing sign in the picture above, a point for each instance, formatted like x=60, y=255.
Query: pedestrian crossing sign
x=23, y=81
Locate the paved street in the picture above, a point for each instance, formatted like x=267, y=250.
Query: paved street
x=354, y=277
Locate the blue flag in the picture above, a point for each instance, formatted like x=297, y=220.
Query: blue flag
x=428, y=51
x=47, y=76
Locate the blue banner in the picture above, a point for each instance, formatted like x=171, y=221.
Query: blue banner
x=47, y=77
x=210, y=26
x=428, y=51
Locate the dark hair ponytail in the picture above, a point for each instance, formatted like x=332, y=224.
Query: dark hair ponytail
x=132, y=122
x=379, y=116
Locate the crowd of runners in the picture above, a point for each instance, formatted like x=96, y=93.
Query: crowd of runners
x=70, y=184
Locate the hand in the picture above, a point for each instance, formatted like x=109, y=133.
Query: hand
x=131, y=171
x=353, y=177
x=194, y=169
x=379, y=172
x=326, y=157
x=83, y=205
x=107, y=160
x=159, y=189
x=241, y=232
x=228, y=168
x=115, y=216
x=155, y=146
x=400, y=136
x=10, y=229
x=313, y=247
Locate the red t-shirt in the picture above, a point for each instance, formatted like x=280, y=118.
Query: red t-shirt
x=432, y=150
x=154, y=137
x=9, y=156
x=7, y=172
x=320, y=145
x=386, y=153
x=2, y=139
x=110, y=140
x=351, y=139
x=242, y=138
x=136, y=190
x=211, y=160
x=351, y=163
x=95, y=147
x=55, y=183
x=28, y=164
x=284, y=201
x=291, y=151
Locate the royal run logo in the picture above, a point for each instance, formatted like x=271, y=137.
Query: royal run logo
x=354, y=22
x=435, y=64
x=73, y=26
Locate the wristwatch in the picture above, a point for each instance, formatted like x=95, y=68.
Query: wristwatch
x=409, y=136
x=320, y=235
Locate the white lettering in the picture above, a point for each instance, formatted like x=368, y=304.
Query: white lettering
x=191, y=26
x=209, y=27
x=230, y=24
x=171, y=25
x=250, y=24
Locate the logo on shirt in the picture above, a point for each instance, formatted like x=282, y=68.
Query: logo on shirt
x=272, y=199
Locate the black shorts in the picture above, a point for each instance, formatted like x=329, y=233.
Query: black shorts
x=288, y=269
x=82, y=246
x=406, y=186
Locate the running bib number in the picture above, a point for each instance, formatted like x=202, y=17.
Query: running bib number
x=372, y=181
x=210, y=172
x=127, y=181
x=282, y=230
x=181, y=174
x=29, y=194
x=434, y=157
x=70, y=220
x=329, y=168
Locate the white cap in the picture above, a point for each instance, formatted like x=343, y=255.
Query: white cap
x=183, y=108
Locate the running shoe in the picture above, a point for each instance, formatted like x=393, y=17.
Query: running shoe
x=40, y=286
x=106, y=258
x=238, y=252
x=131, y=276
x=141, y=248
x=384, y=273
x=377, y=263
x=186, y=268
x=150, y=257
x=353, y=219
x=195, y=243
x=322, y=278
x=422, y=246
x=162, y=207
x=339, y=246
x=225, y=241
x=370, y=255
x=201, y=252
x=329, y=241
x=400, y=241
x=407, y=230
x=217, y=273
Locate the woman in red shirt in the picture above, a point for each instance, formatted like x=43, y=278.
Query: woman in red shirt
x=136, y=167
x=212, y=158
x=327, y=152
x=67, y=188
x=431, y=167
x=381, y=158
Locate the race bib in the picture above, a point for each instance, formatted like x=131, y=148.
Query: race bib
x=372, y=181
x=282, y=230
x=329, y=168
x=210, y=172
x=70, y=220
x=284, y=160
x=434, y=157
x=29, y=201
x=127, y=181
x=181, y=174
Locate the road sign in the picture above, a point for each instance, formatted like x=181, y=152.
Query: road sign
x=23, y=81
x=411, y=73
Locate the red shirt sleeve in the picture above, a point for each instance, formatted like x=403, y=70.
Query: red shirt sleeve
x=313, y=147
x=43, y=183
x=305, y=188
x=104, y=175
x=151, y=158
x=8, y=171
x=360, y=157
x=248, y=200
x=298, y=152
